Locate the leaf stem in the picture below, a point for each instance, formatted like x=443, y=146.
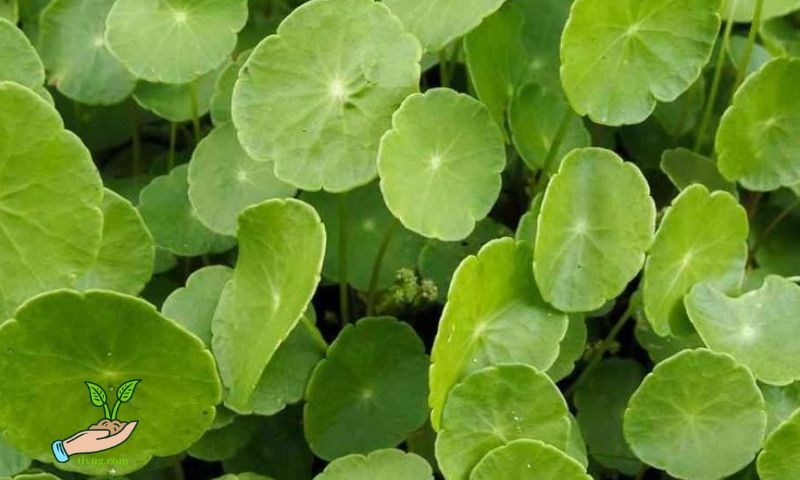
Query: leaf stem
x=106, y=412
x=772, y=225
x=388, y=234
x=444, y=73
x=136, y=140
x=552, y=152
x=751, y=41
x=173, y=133
x=115, y=411
x=705, y=122
x=344, y=293
x=602, y=348
x=195, y=110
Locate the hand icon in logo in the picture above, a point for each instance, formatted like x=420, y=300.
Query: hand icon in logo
x=92, y=440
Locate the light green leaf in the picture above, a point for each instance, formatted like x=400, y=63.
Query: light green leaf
x=106, y=343
x=758, y=56
x=699, y=415
x=164, y=205
x=9, y=10
x=681, y=116
x=438, y=260
x=528, y=460
x=74, y=50
x=781, y=403
x=494, y=315
x=369, y=392
x=601, y=403
x=127, y=251
x=759, y=132
x=596, y=222
x=745, y=9
x=686, y=168
x=175, y=102
x=753, y=328
x=316, y=97
x=12, y=461
x=223, y=443
x=781, y=36
x=620, y=57
x=780, y=458
x=660, y=348
x=19, y=61
x=440, y=164
x=535, y=117
x=174, y=41
x=97, y=395
x=493, y=407
x=193, y=306
x=388, y=464
x=281, y=247
x=50, y=193
x=224, y=180
x=702, y=238
x=438, y=22
x=367, y=225
x=528, y=34
x=243, y=476
x=571, y=349
x=220, y=103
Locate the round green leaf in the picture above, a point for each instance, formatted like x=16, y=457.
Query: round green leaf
x=386, y=464
x=224, y=180
x=528, y=460
x=438, y=260
x=19, y=61
x=781, y=403
x=699, y=415
x=571, y=349
x=367, y=225
x=528, y=34
x=686, y=168
x=596, y=222
x=112, y=338
x=164, y=205
x=369, y=392
x=74, y=50
x=193, y=306
x=220, y=103
x=494, y=406
x=50, y=192
x=281, y=246
x=127, y=252
x=438, y=22
x=737, y=48
x=494, y=315
x=780, y=459
x=174, y=102
x=316, y=97
x=174, y=41
x=619, y=57
x=535, y=117
x=219, y=444
x=440, y=164
x=702, y=238
x=753, y=328
x=601, y=403
x=760, y=132
x=11, y=460
x=744, y=10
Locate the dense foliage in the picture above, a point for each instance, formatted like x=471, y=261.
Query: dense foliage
x=401, y=240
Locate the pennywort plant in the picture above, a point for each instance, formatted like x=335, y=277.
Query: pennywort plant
x=402, y=239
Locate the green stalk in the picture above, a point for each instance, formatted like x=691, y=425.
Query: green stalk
x=444, y=73
x=378, y=263
x=115, y=411
x=344, y=293
x=105, y=411
x=602, y=349
x=751, y=42
x=195, y=110
x=173, y=133
x=705, y=122
x=136, y=140
x=772, y=225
